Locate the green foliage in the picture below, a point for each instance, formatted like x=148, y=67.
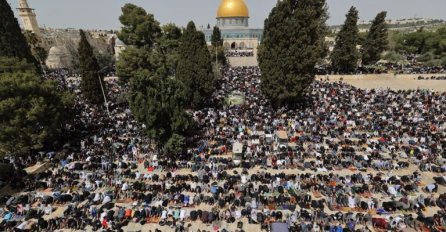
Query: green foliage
x=38, y=51
x=132, y=61
x=175, y=144
x=105, y=59
x=361, y=38
x=195, y=68
x=430, y=46
x=345, y=56
x=89, y=68
x=169, y=43
x=221, y=58
x=33, y=111
x=139, y=28
x=216, y=39
x=12, y=41
x=157, y=100
x=394, y=57
x=13, y=64
x=377, y=40
x=293, y=42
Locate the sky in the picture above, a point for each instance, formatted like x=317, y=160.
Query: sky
x=104, y=14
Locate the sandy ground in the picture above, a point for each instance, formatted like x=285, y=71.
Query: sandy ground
x=395, y=82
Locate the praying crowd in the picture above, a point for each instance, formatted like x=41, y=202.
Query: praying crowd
x=386, y=68
x=345, y=159
x=239, y=53
x=432, y=78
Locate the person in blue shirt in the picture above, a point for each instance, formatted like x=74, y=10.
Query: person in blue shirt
x=339, y=228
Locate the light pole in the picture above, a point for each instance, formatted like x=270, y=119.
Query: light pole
x=103, y=92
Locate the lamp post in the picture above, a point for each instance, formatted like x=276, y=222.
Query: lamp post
x=103, y=92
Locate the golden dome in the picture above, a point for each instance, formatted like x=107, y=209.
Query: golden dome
x=232, y=8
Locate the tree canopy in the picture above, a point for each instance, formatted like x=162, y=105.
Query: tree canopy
x=33, y=110
x=13, y=64
x=157, y=100
x=138, y=27
x=345, y=55
x=12, y=42
x=36, y=49
x=217, y=43
x=428, y=46
x=89, y=68
x=377, y=40
x=293, y=42
x=195, y=67
x=156, y=96
x=216, y=38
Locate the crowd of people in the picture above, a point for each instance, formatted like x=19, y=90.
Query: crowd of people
x=386, y=68
x=351, y=160
x=432, y=78
x=239, y=53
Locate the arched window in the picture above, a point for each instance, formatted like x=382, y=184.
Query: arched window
x=234, y=46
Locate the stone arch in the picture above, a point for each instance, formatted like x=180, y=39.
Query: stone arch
x=227, y=45
x=234, y=45
x=242, y=45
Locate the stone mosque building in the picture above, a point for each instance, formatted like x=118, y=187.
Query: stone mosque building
x=233, y=21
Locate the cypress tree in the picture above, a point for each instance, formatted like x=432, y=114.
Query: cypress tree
x=89, y=68
x=345, y=55
x=12, y=41
x=376, y=41
x=194, y=67
x=217, y=42
x=293, y=42
x=216, y=39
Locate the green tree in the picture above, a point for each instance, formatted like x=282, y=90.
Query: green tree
x=12, y=41
x=132, y=61
x=89, y=68
x=12, y=65
x=175, y=144
x=217, y=43
x=345, y=55
x=105, y=59
x=37, y=50
x=221, y=58
x=138, y=27
x=428, y=46
x=157, y=100
x=361, y=38
x=33, y=110
x=216, y=39
x=169, y=42
x=377, y=40
x=293, y=42
x=195, y=67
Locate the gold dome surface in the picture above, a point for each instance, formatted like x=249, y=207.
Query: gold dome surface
x=232, y=8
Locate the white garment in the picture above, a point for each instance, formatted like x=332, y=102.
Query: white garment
x=125, y=186
x=106, y=199
x=351, y=202
x=392, y=190
x=244, y=179
x=97, y=197
x=182, y=214
x=164, y=214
